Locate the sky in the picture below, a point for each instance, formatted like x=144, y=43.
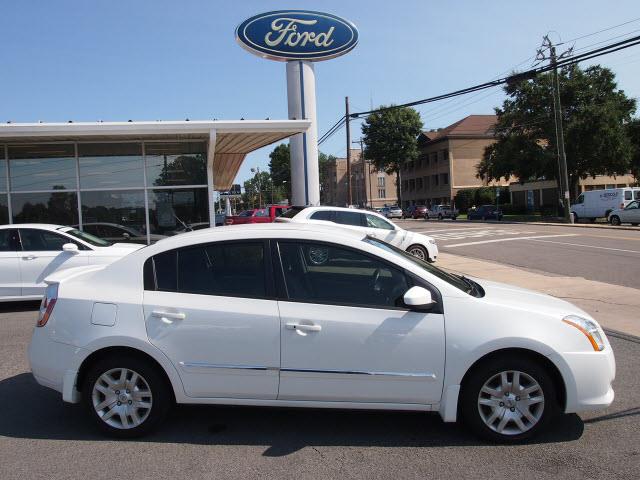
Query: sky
x=170, y=60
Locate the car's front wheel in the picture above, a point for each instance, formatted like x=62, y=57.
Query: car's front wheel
x=419, y=251
x=125, y=396
x=615, y=220
x=508, y=399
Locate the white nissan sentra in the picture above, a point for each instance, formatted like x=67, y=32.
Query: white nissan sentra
x=303, y=315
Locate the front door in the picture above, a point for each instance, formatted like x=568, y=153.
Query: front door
x=384, y=230
x=9, y=266
x=346, y=336
x=42, y=255
x=211, y=309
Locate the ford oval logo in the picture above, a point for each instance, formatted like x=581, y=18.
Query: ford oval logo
x=297, y=35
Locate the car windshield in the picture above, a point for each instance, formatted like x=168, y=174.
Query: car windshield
x=87, y=237
x=458, y=281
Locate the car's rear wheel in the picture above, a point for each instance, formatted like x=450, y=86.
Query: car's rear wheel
x=126, y=396
x=615, y=220
x=439, y=216
x=418, y=251
x=508, y=399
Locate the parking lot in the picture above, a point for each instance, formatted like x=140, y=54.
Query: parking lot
x=607, y=255
x=41, y=437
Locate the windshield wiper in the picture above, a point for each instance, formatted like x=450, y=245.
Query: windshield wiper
x=472, y=285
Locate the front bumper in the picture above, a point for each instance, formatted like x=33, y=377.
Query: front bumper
x=588, y=377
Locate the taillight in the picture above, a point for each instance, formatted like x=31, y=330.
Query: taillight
x=47, y=304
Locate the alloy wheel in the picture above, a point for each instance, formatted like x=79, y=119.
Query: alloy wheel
x=122, y=398
x=418, y=252
x=511, y=402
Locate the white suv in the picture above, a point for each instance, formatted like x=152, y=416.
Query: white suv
x=371, y=223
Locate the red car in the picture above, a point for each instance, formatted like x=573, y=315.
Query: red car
x=257, y=215
x=414, y=211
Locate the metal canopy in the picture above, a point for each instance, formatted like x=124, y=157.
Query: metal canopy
x=229, y=141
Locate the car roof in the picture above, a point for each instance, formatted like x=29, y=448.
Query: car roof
x=255, y=231
x=40, y=226
x=340, y=209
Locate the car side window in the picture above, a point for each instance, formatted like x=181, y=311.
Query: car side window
x=632, y=205
x=377, y=222
x=9, y=241
x=580, y=199
x=326, y=215
x=232, y=269
x=42, y=240
x=324, y=273
x=349, y=218
x=262, y=213
x=628, y=195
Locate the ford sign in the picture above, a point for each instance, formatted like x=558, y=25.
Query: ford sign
x=297, y=35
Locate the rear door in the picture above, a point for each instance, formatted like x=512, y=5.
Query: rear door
x=9, y=265
x=42, y=254
x=211, y=309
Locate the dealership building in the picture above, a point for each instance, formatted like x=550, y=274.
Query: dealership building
x=151, y=177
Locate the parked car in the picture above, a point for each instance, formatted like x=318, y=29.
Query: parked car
x=414, y=211
x=257, y=215
x=29, y=252
x=485, y=212
x=600, y=203
x=629, y=214
x=391, y=212
x=312, y=316
x=370, y=223
x=441, y=212
x=113, y=232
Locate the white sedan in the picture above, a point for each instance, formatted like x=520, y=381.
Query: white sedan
x=629, y=214
x=29, y=252
x=299, y=315
x=372, y=223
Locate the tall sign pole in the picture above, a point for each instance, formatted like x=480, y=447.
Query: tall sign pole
x=348, y=125
x=300, y=38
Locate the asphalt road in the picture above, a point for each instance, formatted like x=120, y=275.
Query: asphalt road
x=606, y=255
x=41, y=437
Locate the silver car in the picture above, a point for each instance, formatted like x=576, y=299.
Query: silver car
x=391, y=212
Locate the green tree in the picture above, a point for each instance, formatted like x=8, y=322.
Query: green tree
x=633, y=131
x=594, y=112
x=258, y=191
x=280, y=169
x=390, y=138
x=323, y=163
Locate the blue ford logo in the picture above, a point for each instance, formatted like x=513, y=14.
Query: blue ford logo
x=297, y=35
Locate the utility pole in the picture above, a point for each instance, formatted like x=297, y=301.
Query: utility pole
x=563, y=177
x=368, y=196
x=347, y=118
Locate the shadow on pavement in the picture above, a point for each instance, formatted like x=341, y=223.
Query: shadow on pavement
x=34, y=412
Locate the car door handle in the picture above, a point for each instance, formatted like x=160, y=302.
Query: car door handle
x=303, y=327
x=29, y=257
x=168, y=315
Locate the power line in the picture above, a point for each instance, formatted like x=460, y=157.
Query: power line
x=599, y=31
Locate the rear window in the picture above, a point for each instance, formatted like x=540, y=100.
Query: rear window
x=292, y=212
x=628, y=195
x=637, y=194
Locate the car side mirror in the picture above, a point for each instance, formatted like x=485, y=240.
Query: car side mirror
x=126, y=235
x=70, y=247
x=418, y=297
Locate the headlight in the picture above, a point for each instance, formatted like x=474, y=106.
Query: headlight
x=589, y=328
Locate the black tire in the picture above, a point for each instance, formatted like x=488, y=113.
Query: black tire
x=426, y=217
x=425, y=253
x=484, y=218
x=615, y=220
x=476, y=379
x=162, y=398
x=439, y=216
x=454, y=218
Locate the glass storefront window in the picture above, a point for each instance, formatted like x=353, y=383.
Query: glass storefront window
x=3, y=171
x=110, y=165
x=4, y=209
x=175, y=164
x=114, y=216
x=174, y=211
x=42, y=167
x=57, y=207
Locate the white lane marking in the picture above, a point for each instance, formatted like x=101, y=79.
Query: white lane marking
x=588, y=246
x=448, y=230
x=507, y=240
x=478, y=234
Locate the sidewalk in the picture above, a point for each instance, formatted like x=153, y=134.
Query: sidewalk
x=614, y=307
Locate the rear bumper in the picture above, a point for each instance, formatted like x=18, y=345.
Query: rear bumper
x=55, y=365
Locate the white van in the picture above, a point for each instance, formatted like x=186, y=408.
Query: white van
x=599, y=203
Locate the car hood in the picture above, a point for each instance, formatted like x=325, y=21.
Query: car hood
x=523, y=299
